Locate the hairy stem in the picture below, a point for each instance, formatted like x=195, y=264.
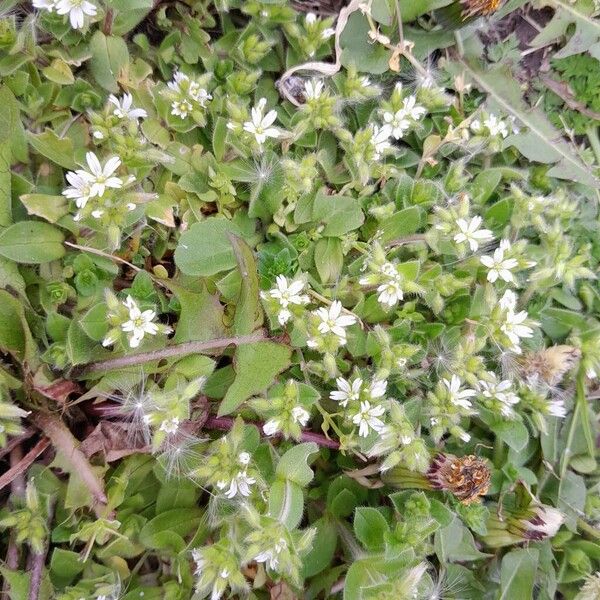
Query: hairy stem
x=38, y=562
x=176, y=350
x=24, y=463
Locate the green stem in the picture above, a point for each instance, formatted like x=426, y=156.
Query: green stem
x=587, y=528
x=459, y=43
x=592, y=135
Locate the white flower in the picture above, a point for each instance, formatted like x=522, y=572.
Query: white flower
x=199, y=94
x=496, y=126
x=364, y=81
x=346, y=392
x=380, y=139
x=260, y=125
x=313, y=89
x=458, y=397
x=508, y=300
x=327, y=33
x=411, y=109
x=76, y=9
x=48, y=5
x=333, y=321
x=310, y=18
x=498, y=265
x=170, y=425
x=287, y=293
x=101, y=177
x=470, y=232
x=178, y=78
x=181, y=108
x=271, y=556
x=139, y=324
x=547, y=521
x=514, y=329
x=557, y=408
x=377, y=388
x=244, y=458
x=271, y=427
x=390, y=293
x=300, y=415
x=398, y=122
x=502, y=392
x=124, y=109
x=97, y=214
x=368, y=418
x=81, y=187
x=241, y=484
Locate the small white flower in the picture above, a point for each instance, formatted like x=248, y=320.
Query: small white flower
x=124, y=108
x=199, y=94
x=458, y=397
x=508, y=300
x=260, y=125
x=313, y=89
x=98, y=135
x=287, y=293
x=500, y=391
x=470, y=233
x=97, y=214
x=300, y=415
x=48, y=5
x=398, y=122
x=181, y=108
x=81, y=187
x=241, y=484
x=310, y=18
x=514, y=329
x=412, y=109
x=380, y=139
x=390, y=293
x=244, y=458
x=271, y=427
x=496, y=126
x=377, y=388
x=139, y=324
x=327, y=33
x=170, y=426
x=557, y=408
x=76, y=9
x=333, y=321
x=101, y=177
x=346, y=392
x=500, y=267
x=224, y=574
x=368, y=418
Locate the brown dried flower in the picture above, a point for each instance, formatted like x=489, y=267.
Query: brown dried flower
x=467, y=477
x=550, y=365
x=478, y=8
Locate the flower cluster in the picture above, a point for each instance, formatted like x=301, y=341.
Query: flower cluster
x=188, y=97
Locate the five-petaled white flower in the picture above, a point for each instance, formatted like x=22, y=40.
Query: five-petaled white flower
x=333, y=321
x=101, y=177
x=239, y=484
x=260, y=125
x=390, y=292
x=398, y=122
x=457, y=396
x=496, y=126
x=76, y=9
x=170, y=426
x=287, y=293
x=313, y=89
x=411, y=109
x=514, y=329
x=377, y=388
x=380, y=139
x=81, y=188
x=181, y=108
x=124, y=108
x=271, y=556
x=368, y=418
x=271, y=427
x=508, y=300
x=300, y=415
x=347, y=391
x=139, y=324
x=498, y=265
x=48, y=5
x=501, y=391
x=470, y=233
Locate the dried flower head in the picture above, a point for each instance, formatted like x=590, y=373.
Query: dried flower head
x=467, y=477
x=551, y=364
x=478, y=8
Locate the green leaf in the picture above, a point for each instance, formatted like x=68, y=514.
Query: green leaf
x=517, y=574
x=65, y=565
x=32, y=242
x=256, y=365
x=109, y=57
x=80, y=347
x=286, y=503
x=59, y=72
x=370, y=527
x=411, y=9
x=293, y=465
x=401, y=224
x=162, y=531
x=248, y=311
x=358, y=49
x=8, y=123
x=183, y=495
x=94, y=322
x=51, y=208
x=323, y=548
x=58, y=150
x=205, y=249
x=339, y=214
x=329, y=259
